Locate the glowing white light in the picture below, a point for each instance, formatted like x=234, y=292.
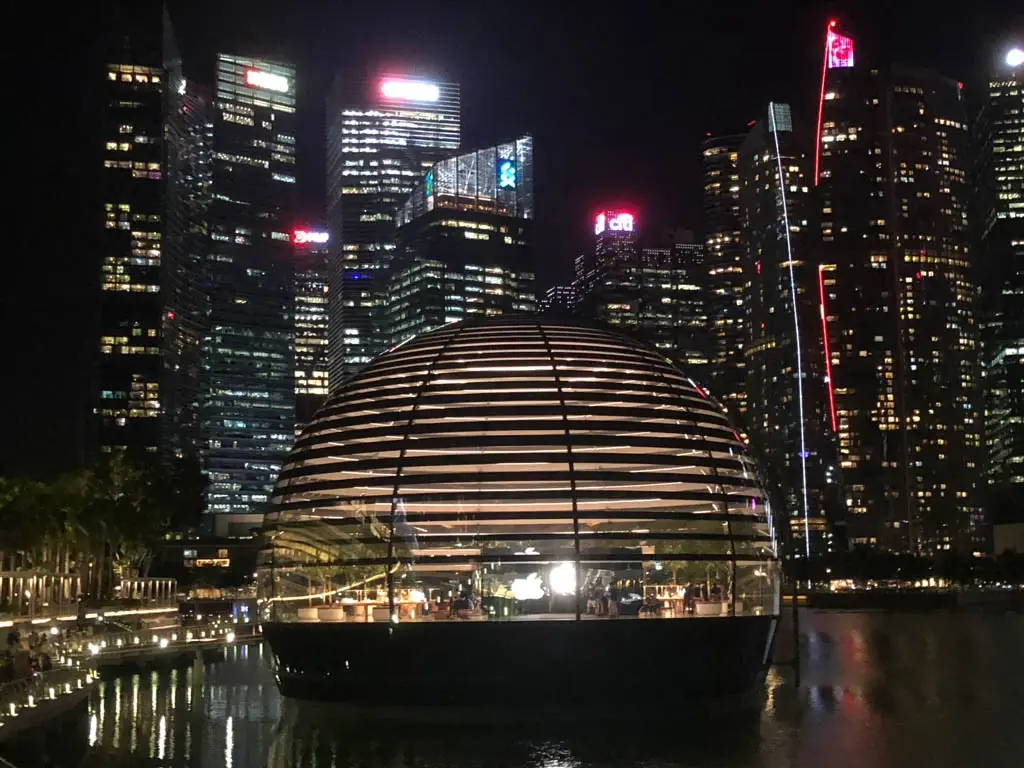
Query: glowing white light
x=410, y=90
x=417, y=596
x=164, y=642
x=229, y=742
x=1015, y=57
x=230, y=637
x=563, y=579
x=181, y=87
x=94, y=649
x=267, y=80
x=531, y=587
x=54, y=631
x=162, y=743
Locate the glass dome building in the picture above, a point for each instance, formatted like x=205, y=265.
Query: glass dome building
x=518, y=508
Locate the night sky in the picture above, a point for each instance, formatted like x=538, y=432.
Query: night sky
x=618, y=97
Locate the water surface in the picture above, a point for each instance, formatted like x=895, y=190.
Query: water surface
x=878, y=690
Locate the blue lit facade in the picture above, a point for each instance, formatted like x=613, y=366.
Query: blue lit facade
x=464, y=242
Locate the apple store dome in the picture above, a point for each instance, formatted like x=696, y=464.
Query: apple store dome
x=515, y=471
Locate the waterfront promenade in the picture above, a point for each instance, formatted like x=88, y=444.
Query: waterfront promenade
x=53, y=662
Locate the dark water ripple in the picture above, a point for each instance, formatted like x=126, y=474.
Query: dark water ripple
x=879, y=690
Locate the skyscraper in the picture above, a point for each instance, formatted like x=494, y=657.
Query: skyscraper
x=247, y=401
x=311, y=375
x=1000, y=224
x=615, y=237
x=131, y=306
x=188, y=139
x=723, y=254
x=651, y=287
x=558, y=301
x=891, y=166
x=788, y=413
x=383, y=134
x=464, y=243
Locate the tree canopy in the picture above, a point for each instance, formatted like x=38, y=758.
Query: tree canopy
x=102, y=519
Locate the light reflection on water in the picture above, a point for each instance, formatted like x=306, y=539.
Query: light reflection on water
x=878, y=691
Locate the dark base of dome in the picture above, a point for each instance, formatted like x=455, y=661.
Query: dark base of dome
x=699, y=663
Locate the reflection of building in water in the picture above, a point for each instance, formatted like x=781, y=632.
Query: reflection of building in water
x=217, y=714
x=509, y=472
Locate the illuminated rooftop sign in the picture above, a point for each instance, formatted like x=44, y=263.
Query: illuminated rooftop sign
x=839, y=50
x=409, y=90
x=613, y=222
x=506, y=174
x=259, y=79
x=306, y=237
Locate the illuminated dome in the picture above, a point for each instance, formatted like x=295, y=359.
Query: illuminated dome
x=512, y=473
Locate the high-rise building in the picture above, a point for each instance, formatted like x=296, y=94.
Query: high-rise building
x=247, y=402
x=559, y=301
x=1000, y=225
x=464, y=242
x=788, y=412
x=383, y=135
x=188, y=130
x=723, y=254
x=133, y=182
x=615, y=236
x=311, y=375
x=650, y=287
x=898, y=288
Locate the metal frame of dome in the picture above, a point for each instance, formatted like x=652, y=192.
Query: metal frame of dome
x=515, y=464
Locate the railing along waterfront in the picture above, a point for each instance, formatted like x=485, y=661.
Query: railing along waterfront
x=28, y=696
x=78, y=657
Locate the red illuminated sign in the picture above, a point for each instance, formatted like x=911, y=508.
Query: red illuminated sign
x=839, y=50
x=614, y=222
x=307, y=237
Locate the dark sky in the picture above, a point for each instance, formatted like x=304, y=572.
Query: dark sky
x=617, y=95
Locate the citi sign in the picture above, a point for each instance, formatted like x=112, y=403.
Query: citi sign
x=307, y=237
x=613, y=222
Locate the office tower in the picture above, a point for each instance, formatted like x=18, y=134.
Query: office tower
x=559, y=301
x=383, y=134
x=723, y=253
x=1000, y=223
x=188, y=139
x=311, y=376
x=788, y=412
x=464, y=242
x=615, y=241
x=615, y=234
x=132, y=114
x=891, y=168
x=247, y=401
x=654, y=292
